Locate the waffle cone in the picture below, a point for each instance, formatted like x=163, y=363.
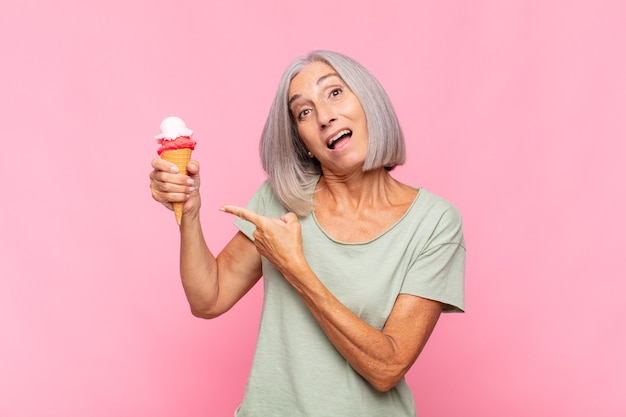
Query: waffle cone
x=180, y=157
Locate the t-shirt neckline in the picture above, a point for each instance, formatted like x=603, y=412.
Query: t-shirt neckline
x=383, y=233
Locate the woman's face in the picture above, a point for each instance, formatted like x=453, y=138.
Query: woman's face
x=329, y=118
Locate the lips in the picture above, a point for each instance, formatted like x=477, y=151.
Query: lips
x=332, y=141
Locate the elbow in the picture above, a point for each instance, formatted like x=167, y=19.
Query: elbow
x=206, y=314
x=385, y=379
x=205, y=308
x=385, y=384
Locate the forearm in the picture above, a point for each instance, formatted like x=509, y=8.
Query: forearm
x=370, y=353
x=198, y=268
x=381, y=357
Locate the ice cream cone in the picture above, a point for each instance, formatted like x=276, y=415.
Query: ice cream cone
x=180, y=157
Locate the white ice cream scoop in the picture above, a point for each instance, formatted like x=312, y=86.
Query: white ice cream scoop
x=173, y=127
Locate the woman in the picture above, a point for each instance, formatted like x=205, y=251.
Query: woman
x=357, y=266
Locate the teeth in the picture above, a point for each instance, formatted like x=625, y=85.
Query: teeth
x=335, y=138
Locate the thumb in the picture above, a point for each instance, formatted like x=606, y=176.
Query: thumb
x=289, y=218
x=193, y=168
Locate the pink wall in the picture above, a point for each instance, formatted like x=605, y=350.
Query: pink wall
x=513, y=110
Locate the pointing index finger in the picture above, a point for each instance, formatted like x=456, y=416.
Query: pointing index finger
x=243, y=213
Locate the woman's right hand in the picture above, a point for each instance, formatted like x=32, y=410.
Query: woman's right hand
x=169, y=186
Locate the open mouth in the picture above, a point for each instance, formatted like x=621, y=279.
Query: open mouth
x=340, y=135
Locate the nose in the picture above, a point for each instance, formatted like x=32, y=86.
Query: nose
x=326, y=115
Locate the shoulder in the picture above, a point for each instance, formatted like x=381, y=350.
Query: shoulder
x=263, y=193
x=265, y=201
x=441, y=216
x=438, y=206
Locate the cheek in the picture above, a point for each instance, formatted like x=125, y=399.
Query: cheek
x=306, y=133
x=359, y=116
x=356, y=109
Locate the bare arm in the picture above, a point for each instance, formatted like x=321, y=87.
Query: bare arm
x=212, y=284
x=381, y=356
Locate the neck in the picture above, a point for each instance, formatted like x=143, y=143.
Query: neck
x=358, y=189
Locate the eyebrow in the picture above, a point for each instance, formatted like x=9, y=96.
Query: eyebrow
x=322, y=78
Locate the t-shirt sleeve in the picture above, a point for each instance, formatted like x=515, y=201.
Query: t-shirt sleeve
x=257, y=204
x=439, y=269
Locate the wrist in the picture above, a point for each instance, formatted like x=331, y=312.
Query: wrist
x=191, y=216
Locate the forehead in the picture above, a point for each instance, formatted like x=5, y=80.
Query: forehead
x=309, y=76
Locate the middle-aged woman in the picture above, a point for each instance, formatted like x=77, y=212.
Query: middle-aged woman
x=357, y=267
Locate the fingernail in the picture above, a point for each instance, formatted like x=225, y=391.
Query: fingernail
x=174, y=169
x=190, y=182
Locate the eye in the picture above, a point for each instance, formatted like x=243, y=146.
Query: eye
x=303, y=113
x=336, y=91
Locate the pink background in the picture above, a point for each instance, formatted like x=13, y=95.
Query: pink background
x=513, y=110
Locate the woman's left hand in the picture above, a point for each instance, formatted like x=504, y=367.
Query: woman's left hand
x=277, y=239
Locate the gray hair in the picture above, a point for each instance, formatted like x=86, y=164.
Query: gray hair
x=291, y=173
